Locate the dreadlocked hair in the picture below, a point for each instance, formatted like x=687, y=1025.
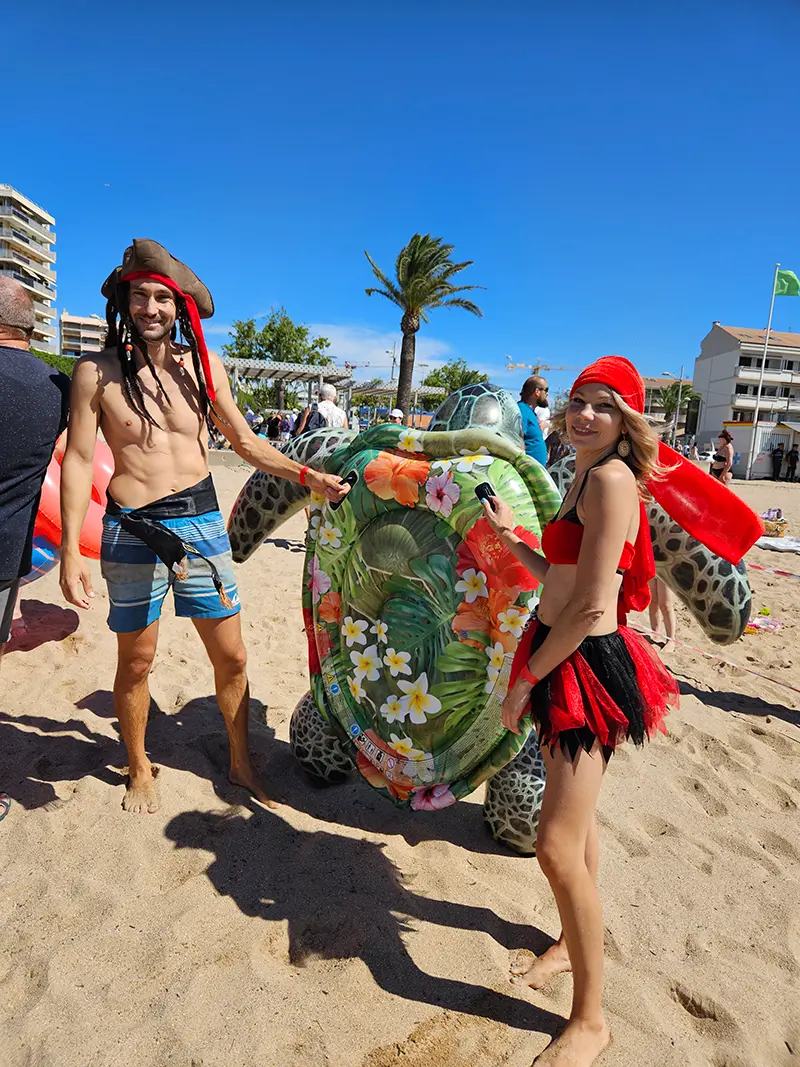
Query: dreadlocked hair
x=187, y=334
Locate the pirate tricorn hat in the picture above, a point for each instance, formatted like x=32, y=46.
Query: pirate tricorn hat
x=146, y=259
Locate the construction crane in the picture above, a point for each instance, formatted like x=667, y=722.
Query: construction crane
x=537, y=368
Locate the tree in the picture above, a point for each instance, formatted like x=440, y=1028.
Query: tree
x=452, y=376
x=279, y=339
x=66, y=364
x=423, y=281
x=669, y=398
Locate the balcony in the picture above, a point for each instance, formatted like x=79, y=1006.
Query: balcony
x=783, y=405
x=20, y=218
x=30, y=283
x=18, y=240
x=33, y=266
x=771, y=375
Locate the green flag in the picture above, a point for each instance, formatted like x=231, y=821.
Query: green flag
x=787, y=283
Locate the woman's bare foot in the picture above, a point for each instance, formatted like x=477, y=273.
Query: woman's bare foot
x=579, y=1045
x=537, y=971
x=248, y=778
x=142, y=794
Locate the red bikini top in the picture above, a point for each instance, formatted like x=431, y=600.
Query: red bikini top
x=563, y=535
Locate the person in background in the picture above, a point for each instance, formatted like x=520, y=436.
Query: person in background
x=532, y=396
x=693, y=451
x=33, y=413
x=287, y=422
x=662, y=611
x=723, y=458
x=250, y=415
x=543, y=415
x=396, y=416
x=791, y=464
x=334, y=416
x=777, y=461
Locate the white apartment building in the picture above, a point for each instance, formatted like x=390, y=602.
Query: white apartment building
x=26, y=254
x=81, y=335
x=726, y=374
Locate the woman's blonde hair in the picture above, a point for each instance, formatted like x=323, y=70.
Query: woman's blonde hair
x=642, y=434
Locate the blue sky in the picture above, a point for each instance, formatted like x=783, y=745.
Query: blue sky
x=620, y=179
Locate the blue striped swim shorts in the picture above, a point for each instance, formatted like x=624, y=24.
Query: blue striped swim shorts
x=138, y=582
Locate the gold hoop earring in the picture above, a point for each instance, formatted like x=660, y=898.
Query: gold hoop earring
x=623, y=447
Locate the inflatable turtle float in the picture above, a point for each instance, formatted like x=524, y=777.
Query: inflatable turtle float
x=414, y=608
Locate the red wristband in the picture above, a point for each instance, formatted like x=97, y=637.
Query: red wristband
x=526, y=675
x=303, y=472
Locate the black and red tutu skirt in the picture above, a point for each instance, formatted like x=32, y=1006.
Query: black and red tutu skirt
x=612, y=688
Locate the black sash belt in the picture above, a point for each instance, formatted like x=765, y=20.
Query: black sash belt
x=167, y=545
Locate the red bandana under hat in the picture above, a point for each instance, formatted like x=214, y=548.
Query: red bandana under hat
x=702, y=506
x=194, y=319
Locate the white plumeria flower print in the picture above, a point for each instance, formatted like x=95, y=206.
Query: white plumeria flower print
x=353, y=631
x=313, y=527
x=418, y=702
x=381, y=631
x=393, y=710
x=492, y=674
x=316, y=503
x=367, y=663
x=496, y=654
x=470, y=460
x=397, y=662
x=417, y=767
x=512, y=621
x=410, y=441
x=404, y=747
x=442, y=465
x=472, y=585
x=355, y=689
x=329, y=536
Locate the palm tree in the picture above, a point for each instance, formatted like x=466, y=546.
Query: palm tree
x=669, y=398
x=424, y=273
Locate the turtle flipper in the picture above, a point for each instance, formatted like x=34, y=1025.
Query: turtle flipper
x=315, y=745
x=514, y=799
x=266, y=502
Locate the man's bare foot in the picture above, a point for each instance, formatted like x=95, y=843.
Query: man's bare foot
x=142, y=794
x=248, y=778
x=537, y=971
x=579, y=1045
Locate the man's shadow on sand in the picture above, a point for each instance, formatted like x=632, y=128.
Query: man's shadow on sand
x=193, y=739
x=343, y=898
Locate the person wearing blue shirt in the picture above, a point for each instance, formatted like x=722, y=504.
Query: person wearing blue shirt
x=533, y=396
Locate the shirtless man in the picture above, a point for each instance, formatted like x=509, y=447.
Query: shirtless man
x=162, y=530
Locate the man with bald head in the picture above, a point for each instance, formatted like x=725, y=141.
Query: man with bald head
x=33, y=412
x=533, y=396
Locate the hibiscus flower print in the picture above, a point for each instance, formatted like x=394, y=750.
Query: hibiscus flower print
x=393, y=710
x=381, y=631
x=442, y=493
x=319, y=583
x=399, y=786
x=483, y=550
x=353, y=631
x=393, y=477
x=432, y=798
x=330, y=608
x=472, y=584
x=367, y=663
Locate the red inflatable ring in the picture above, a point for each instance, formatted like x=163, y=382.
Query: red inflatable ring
x=48, y=518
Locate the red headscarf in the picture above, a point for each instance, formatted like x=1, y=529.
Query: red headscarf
x=701, y=505
x=194, y=319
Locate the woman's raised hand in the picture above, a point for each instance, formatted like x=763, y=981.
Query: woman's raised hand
x=500, y=515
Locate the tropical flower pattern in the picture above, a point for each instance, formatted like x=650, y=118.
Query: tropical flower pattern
x=392, y=710
x=397, y=662
x=418, y=702
x=404, y=747
x=472, y=584
x=482, y=549
x=313, y=526
x=330, y=607
x=329, y=536
x=367, y=663
x=393, y=477
x=353, y=631
x=512, y=621
x=470, y=460
x=381, y=631
x=442, y=493
x=432, y=798
x=410, y=441
x=356, y=692
x=318, y=581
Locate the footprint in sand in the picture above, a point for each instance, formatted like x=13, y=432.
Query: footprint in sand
x=710, y=804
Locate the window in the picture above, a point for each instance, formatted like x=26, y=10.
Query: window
x=742, y=390
x=745, y=361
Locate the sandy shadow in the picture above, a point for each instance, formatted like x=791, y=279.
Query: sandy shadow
x=288, y=546
x=342, y=898
x=741, y=702
x=42, y=623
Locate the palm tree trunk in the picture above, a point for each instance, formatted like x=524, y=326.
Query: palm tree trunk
x=407, y=352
